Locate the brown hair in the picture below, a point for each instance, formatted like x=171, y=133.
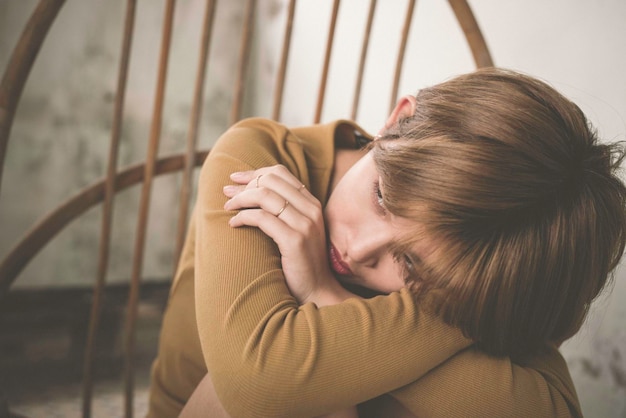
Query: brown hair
x=523, y=200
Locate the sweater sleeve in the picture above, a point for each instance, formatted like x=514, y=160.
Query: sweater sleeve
x=269, y=357
x=473, y=384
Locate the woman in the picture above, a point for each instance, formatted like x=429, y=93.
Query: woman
x=487, y=211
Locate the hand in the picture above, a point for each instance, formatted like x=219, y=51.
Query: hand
x=275, y=201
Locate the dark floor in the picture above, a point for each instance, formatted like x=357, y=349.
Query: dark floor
x=42, y=339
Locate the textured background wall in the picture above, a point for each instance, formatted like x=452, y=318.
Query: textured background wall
x=62, y=126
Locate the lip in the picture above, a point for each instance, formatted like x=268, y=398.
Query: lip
x=337, y=263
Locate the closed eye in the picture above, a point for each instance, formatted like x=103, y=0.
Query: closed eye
x=377, y=197
x=408, y=265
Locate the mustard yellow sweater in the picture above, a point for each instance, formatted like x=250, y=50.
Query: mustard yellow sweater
x=231, y=313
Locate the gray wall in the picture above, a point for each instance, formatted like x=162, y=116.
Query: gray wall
x=63, y=123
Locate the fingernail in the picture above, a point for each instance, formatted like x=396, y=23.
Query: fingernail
x=236, y=174
x=229, y=190
x=227, y=204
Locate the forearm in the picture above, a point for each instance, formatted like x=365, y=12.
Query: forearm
x=331, y=294
x=275, y=352
x=205, y=403
x=480, y=385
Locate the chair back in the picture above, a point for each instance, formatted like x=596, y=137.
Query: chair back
x=261, y=69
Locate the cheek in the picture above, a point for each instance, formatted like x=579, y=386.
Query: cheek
x=340, y=207
x=395, y=283
x=388, y=277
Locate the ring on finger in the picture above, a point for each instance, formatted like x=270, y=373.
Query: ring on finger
x=283, y=208
x=302, y=186
x=257, y=180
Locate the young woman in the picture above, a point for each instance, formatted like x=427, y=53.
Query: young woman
x=487, y=215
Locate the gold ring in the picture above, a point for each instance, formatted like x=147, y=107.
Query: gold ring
x=283, y=208
x=257, y=180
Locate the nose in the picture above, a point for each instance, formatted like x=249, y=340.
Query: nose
x=369, y=244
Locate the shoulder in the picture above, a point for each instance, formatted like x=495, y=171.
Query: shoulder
x=252, y=132
x=253, y=143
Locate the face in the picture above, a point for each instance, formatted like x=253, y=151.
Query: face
x=361, y=232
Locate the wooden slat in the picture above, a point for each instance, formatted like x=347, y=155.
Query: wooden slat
x=329, y=47
x=282, y=69
x=244, y=61
x=364, y=46
x=473, y=34
x=192, y=134
x=19, y=66
x=107, y=210
x=401, y=53
x=144, y=206
x=56, y=220
x=15, y=78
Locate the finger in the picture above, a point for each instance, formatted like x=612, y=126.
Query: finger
x=279, y=179
x=258, y=178
x=302, y=208
x=306, y=225
x=263, y=198
x=244, y=177
x=232, y=190
x=279, y=172
x=285, y=185
x=271, y=225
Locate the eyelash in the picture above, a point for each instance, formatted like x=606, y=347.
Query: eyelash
x=378, y=198
x=408, y=265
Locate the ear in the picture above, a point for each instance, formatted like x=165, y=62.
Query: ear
x=405, y=108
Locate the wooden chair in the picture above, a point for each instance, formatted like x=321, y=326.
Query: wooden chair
x=103, y=191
